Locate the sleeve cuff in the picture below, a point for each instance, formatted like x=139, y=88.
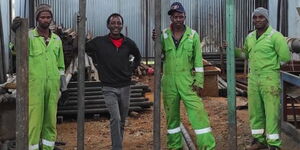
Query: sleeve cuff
x=199, y=69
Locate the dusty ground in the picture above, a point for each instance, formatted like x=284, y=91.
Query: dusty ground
x=138, y=132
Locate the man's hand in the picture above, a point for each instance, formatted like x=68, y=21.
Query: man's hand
x=64, y=98
x=197, y=89
x=16, y=23
x=63, y=83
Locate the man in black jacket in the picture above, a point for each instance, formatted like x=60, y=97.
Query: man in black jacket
x=112, y=53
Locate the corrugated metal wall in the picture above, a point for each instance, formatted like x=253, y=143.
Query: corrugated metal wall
x=244, y=23
x=206, y=16
x=97, y=12
x=294, y=19
x=20, y=8
x=211, y=24
x=5, y=20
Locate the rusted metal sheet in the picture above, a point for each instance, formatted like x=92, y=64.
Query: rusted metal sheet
x=133, y=12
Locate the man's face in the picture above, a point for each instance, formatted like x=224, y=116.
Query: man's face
x=115, y=25
x=259, y=21
x=44, y=19
x=177, y=18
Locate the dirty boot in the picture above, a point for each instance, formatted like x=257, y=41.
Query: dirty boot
x=255, y=145
x=274, y=148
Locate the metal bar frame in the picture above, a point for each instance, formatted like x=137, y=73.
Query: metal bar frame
x=230, y=37
x=157, y=76
x=286, y=127
x=81, y=74
x=2, y=62
x=22, y=86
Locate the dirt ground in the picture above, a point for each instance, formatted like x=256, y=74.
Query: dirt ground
x=138, y=131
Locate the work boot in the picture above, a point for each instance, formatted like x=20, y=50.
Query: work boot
x=274, y=148
x=256, y=145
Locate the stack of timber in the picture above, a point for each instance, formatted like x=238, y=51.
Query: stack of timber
x=94, y=100
x=240, y=87
x=219, y=60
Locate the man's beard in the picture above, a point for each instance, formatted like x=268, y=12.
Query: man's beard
x=44, y=25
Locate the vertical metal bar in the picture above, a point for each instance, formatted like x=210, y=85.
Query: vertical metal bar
x=2, y=60
x=31, y=13
x=81, y=75
x=157, y=49
x=147, y=30
x=22, y=86
x=230, y=37
x=282, y=98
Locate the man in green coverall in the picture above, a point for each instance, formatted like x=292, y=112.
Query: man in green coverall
x=183, y=77
x=265, y=48
x=46, y=70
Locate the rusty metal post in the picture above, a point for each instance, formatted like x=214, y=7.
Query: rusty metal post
x=81, y=75
x=230, y=59
x=157, y=49
x=22, y=86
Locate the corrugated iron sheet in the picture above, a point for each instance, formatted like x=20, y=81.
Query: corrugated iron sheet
x=211, y=24
x=205, y=16
x=65, y=12
x=208, y=18
x=5, y=11
x=294, y=19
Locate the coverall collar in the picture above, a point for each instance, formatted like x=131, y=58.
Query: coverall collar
x=187, y=34
x=265, y=34
x=36, y=34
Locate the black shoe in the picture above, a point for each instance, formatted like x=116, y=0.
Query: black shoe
x=273, y=148
x=256, y=145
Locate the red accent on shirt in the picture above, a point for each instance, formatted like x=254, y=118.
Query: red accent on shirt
x=117, y=42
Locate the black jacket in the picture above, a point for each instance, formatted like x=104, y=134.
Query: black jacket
x=113, y=63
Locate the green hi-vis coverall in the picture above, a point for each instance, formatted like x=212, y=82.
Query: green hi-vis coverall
x=177, y=81
x=46, y=64
x=265, y=55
